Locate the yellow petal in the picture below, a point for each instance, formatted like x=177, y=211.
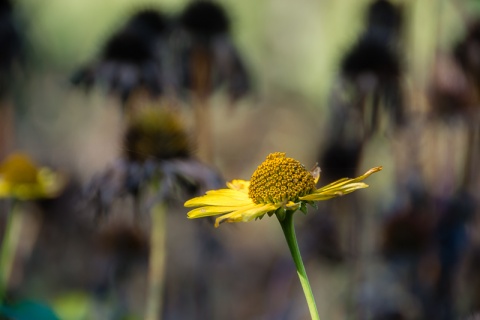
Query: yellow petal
x=234, y=194
x=210, y=211
x=321, y=195
x=340, y=187
x=239, y=185
x=52, y=183
x=344, y=181
x=230, y=217
x=258, y=211
x=223, y=197
x=292, y=205
x=4, y=189
x=20, y=179
x=246, y=214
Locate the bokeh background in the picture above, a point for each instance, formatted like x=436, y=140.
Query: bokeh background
x=346, y=84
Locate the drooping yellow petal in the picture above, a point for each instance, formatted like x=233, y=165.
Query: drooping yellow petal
x=222, y=197
x=340, y=187
x=321, y=195
x=292, y=205
x=213, y=210
x=344, y=181
x=258, y=211
x=233, y=194
x=246, y=214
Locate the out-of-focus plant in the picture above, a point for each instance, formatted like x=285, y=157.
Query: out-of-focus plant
x=208, y=60
x=372, y=69
x=454, y=93
x=155, y=56
x=11, y=58
x=279, y=186
x=22, y=180
x=156, y=167
x=11, y=43
x=134, y=61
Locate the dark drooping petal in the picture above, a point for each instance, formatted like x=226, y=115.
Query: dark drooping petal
x=132, y=58
x=208, y=58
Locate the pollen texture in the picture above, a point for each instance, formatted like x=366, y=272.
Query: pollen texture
x=279, y=179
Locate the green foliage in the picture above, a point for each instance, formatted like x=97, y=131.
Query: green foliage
x=28, y=310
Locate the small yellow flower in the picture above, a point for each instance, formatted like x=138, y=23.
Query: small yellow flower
x=21, y=179
x=278, y=185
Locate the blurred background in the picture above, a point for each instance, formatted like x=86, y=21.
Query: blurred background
x=144, y=104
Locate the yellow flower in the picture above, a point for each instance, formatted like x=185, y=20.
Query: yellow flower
x=278, y=185
x=21, y=179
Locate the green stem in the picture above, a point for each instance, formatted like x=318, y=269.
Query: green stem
x=289, y=232
x=156, y=272
x=11, y=239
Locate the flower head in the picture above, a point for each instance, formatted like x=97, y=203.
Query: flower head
x=157, y=153
x=208, y=58
x=156, y=133
x=131, y=59
x=278, y=179
x=278, y=185
x=20, y=178
x=205, y=19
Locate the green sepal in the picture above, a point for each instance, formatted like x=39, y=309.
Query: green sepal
x=280, y=212
x=313, y=204
x=303, y=208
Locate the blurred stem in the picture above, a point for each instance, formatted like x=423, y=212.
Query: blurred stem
x=201, y=64
x=6, y=128
x=156, y=272
x=11, y=239
x=289, y=232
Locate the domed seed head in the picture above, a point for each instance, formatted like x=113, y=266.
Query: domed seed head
x=280, y=179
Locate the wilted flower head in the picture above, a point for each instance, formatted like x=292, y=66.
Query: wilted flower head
x=155, y=133
x=278, y=185
x=373, y=66
x=11, y=43
x=21, y=178
x=455, y=83
x=467, y=50
x=132, y=58
x=376, y=51
x=157, y=152
x=384, y=19
x=205, y=19
x=209, y=59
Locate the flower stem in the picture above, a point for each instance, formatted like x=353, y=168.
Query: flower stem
x=289, y=232
x=11, y=239
x=156, y=273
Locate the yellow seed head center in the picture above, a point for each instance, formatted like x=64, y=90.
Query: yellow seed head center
x=280, y=179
